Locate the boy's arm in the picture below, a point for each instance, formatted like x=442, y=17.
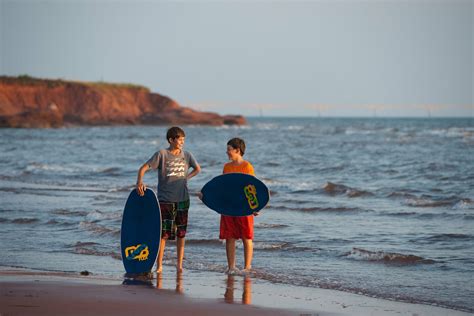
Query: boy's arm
x=141, y=172
x=194, y=172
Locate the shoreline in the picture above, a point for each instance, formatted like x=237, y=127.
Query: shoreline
x=25, y=291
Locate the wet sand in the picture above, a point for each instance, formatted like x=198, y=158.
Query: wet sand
x=26, y=292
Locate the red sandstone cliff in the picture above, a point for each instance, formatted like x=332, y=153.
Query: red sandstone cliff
x=29, y=102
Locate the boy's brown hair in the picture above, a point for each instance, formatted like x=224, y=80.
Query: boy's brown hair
x=237, y=143
x=174, y=132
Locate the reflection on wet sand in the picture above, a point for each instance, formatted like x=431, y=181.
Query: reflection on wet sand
x=246, y=293
x=179, y=282
x=159, y=281
x=230, y=288
x=138, y=279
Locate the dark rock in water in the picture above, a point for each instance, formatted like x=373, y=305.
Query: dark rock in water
x=85, y=272
x=28, y=102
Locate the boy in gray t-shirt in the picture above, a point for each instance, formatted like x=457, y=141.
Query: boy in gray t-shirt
x=173, y=164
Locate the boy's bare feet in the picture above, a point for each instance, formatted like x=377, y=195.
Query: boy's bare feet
x=179, y=283
x=232, y=271
x=159, y=281
x=247, y=271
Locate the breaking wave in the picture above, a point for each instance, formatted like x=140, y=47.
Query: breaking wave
x=93, y=249
x=66, y=212
x=429, y=201
x=266, y=225
x=24, y=220
x=58, y=223
x=340, y=189
x=97, y=215
x=205, y=242
x=114, y=172
x=99, y=229
x=449, y=237
x=341, y=209
x=386, y=257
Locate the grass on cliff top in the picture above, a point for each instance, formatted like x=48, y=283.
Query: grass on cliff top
x=51, y=83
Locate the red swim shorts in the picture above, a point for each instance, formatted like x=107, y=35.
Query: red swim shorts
x=236, y=227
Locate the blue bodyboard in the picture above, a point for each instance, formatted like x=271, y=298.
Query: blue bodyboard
x=235, y=194
x=141, y=232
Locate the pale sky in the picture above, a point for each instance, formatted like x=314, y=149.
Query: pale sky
x=285, y=58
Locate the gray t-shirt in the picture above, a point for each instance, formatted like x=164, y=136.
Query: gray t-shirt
x=172, y=174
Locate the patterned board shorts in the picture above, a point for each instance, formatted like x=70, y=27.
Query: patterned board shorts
x=174, y=219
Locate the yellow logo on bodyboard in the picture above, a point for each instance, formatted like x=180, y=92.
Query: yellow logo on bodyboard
x=251, y=195
x=139, y=252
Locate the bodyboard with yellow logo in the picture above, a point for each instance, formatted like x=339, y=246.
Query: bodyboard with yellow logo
x=141, y=232
x=235, y=194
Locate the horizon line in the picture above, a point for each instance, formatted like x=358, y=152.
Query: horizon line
x=358, y=117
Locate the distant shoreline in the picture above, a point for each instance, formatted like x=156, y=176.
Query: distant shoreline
x=29, y=102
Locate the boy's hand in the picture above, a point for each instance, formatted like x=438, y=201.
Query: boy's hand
x=255, y=213
x=199, y=194
x=141, y=189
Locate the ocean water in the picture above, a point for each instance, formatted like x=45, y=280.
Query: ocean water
x=380, y=207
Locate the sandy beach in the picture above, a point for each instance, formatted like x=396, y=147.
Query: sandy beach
x=28, y=292
x=70, y=297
